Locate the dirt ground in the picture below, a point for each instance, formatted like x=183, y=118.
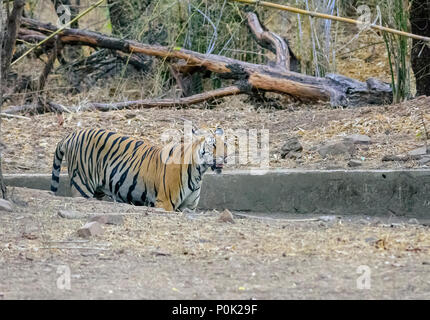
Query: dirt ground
x=159, y=255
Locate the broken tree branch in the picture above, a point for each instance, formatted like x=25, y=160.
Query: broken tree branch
x=146, y=103
x=337, y=89
x=270, y=41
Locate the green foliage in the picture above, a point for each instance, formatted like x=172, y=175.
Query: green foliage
x=395, y=15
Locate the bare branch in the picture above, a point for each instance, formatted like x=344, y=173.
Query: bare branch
x=138, y=104
x=270, y=41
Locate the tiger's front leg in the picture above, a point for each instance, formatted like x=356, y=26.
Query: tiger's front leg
x=164, y=204
x=191, y=201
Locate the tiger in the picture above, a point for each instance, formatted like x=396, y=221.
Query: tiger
x=103, y=163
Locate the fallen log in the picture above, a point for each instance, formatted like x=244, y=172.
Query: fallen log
x=336, y=89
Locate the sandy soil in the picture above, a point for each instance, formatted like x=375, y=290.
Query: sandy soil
x=154, y=255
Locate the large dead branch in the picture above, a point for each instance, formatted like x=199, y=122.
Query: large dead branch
x=147, y=103
x=270, y=41
x=337, y=89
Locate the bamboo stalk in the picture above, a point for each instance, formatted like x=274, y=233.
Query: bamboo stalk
x=328, y=16
x=58, y=30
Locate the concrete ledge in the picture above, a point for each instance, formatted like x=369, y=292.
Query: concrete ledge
x=368, y=192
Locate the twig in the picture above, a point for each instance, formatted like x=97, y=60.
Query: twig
x=147, y=103
x=275, y=219
x=425, y=132
x=72, y=248
x=69, y=241
x=6, y=115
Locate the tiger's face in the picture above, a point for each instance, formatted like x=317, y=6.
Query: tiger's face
x=213, y=149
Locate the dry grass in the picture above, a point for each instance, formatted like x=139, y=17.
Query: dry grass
x=394, y=130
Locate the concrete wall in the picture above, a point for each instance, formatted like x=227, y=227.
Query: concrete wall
x=374, y=192
x=323, y=192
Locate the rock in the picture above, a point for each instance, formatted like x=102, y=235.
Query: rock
x=291, y=149
x=226, y=216
x=357, y=139
x=5, y=205
x=354, y=163
x=116, y=219
x=371, y=240
x=90, y=229
x=418, y=152
x=70, y=214
x=336, y=148
x=424, y=160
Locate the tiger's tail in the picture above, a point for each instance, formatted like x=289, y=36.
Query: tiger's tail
x=56, y=166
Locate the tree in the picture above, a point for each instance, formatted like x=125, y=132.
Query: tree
x=420, y=54
x=7, y=41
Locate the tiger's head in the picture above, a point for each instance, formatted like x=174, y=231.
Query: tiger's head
x=212, y=149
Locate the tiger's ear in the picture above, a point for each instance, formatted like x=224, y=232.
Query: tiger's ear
x=196, y=132
x=219, y=131
x=199, y=132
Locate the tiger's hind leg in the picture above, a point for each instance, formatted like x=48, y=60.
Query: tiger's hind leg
x=99, y=194
x=78, y=189
x=166, y=205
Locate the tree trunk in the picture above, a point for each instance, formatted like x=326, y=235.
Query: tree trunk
x=7, y=44
x=2, y=184
x=420, y=54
